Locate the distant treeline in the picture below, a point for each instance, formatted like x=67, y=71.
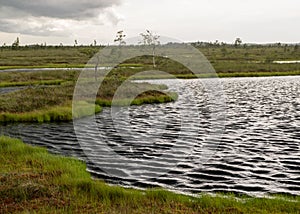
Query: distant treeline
x=199, y=44
x=255, y=45
x=45, y=46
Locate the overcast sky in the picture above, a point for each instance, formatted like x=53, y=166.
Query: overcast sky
x=63, y=21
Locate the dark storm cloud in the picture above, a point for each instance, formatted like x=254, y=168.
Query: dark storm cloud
x=63, y=9
x=46, y=17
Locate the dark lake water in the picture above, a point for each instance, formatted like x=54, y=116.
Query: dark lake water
x=5, y=90
x=254, y=148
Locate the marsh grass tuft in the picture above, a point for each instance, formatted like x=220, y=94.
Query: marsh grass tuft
x=32, y=83
x=52, y=114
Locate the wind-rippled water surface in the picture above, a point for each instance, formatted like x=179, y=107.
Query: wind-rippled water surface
x=257, y=152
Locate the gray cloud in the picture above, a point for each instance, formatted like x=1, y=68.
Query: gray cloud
x=43, y=17
x=64, y=9
x=38, y=28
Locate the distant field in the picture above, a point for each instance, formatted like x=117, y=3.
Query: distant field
x=47, y=56
x=224, y=58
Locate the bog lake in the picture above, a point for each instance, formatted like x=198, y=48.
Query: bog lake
x=247, y=141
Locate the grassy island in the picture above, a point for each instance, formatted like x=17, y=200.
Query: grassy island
x=47, y=96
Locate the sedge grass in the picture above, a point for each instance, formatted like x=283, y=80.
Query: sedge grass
x=51, y=114
x=218, y=75
x=148, y=99
x=31, y=83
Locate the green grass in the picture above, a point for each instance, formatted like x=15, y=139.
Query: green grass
x=50, y=114
x=35, y=99
x=218, y=75
x=225, y=58
x=42, y=66
x=53, y=103
x=49, y=56
x=34, y=181
x=31, y=83
x=143, y=99
x=37, y=76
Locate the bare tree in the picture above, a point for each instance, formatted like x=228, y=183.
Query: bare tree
x=149, y=38
x=237, y=42
x=96, y=67
x=120, y=38
x=16, y=43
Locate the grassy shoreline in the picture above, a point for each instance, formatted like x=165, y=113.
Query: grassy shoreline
x=50, y=114
x=64, y=113
x=220, y=75
x=32, y=180
x=31, y=83
x=50, y=97
x=56, y=66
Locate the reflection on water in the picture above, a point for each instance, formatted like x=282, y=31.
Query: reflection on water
x=257, y=153
x=287, y=62
x=6, y=90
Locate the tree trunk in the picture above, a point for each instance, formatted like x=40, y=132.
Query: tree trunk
x=96, y=69
x=153, y=57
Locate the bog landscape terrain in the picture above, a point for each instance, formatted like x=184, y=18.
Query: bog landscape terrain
x=255, y=167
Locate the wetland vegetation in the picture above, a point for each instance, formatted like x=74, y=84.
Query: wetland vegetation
x=32, y=180
x=225, y=58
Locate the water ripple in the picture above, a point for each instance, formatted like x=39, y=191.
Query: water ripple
x=258, y=152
